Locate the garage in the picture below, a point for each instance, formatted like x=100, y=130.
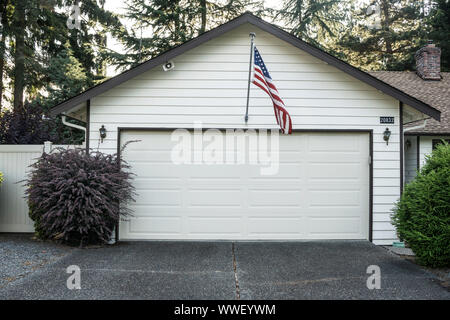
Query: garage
x=320, y=190
x=337, y=176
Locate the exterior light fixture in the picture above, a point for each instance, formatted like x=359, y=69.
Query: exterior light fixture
x=408, y=144
x=102, y=131
x=386, y=135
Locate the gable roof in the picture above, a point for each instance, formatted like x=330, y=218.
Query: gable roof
x=434, y=93
x=265, y=26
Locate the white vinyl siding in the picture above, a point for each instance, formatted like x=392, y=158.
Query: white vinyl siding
x=410, y=159
x=209, y=85
x=426, y=146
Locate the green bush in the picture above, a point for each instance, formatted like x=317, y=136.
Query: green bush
x=422, y=215
x=1, y=178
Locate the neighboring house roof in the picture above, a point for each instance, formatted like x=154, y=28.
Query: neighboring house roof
x=434, y=93
x=281, y=34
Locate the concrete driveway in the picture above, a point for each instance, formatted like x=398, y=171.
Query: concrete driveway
x=226, y=270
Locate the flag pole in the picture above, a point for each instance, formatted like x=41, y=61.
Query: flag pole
x=252, y=36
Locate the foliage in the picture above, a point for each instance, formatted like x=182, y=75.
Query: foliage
x=314, y=21
x=422, y=215
x=385, y=39
x=35, y=31
x=439, y=22
x=171, y=23
x=65, y=78
x=1, y=178
x=27, y=126
x=74, y=195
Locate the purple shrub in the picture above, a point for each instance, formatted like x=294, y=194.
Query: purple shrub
x=74, y=195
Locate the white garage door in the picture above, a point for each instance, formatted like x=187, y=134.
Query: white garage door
x=320, y=191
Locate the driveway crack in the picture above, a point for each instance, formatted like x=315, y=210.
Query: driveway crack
x=236, y=280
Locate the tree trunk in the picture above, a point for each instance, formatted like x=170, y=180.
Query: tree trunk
x=203, y=10
x=387, y=30
x=19, y=54
x=300, y=13
x=2, y=49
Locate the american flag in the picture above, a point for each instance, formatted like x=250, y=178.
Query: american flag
x=262, y=79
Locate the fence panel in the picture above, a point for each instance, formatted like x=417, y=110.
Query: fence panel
x=14, y=164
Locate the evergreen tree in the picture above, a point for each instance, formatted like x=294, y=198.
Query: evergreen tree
x=4, y=30
x=390, y=41
x=66, y=77
x=314, y=21
x=37, y=31
x=439, y=23
x=171, y=23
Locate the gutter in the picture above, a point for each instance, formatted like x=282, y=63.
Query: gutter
x=72, y=125
x=416, y=127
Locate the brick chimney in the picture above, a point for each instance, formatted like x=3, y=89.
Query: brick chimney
x=428, y=62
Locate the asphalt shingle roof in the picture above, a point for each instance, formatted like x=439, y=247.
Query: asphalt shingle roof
x=434, y=93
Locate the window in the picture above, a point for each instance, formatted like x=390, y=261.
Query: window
x=439, y=141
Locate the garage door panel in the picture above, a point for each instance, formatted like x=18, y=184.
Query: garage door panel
x=320, y=191
x=148, y=156
x=329, y=158
x=156, y=170
x=214, y=183
x=159, y=197
x=288, y=170
x=333, y=143
x=334, y=170
x=156, y=225
x=275, y=184
x=338, y=228
x=142, y=210
x=213, y=171
x=216, y=198
x=334, y=198
x=293, y=143
x=349, y=184
x=157, y=183
x=215, y=226
x=279, y=226
x=287, y=157
x=342, y=212
x=277, y=198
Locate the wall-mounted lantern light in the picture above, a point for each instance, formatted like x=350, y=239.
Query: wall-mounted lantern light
x=386, y=135
x=102, y=131
x=408, y=144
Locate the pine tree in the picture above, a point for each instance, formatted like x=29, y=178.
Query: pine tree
x=314, y=21
x=66, y=78
x=37, y=31
x=439, y=23
x=4, y=30
x=391, y=41
x=173, y=22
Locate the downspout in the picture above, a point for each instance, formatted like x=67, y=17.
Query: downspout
x=72, y=125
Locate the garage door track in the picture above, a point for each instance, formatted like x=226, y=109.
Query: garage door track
x=227, y=270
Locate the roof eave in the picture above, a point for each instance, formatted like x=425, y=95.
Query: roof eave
x=419, y=133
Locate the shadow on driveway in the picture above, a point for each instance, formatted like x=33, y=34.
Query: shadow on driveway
x=226, y=270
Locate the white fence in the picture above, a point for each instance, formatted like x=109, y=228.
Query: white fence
x=14, y=164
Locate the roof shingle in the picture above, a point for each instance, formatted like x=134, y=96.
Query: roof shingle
x=434, y=93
